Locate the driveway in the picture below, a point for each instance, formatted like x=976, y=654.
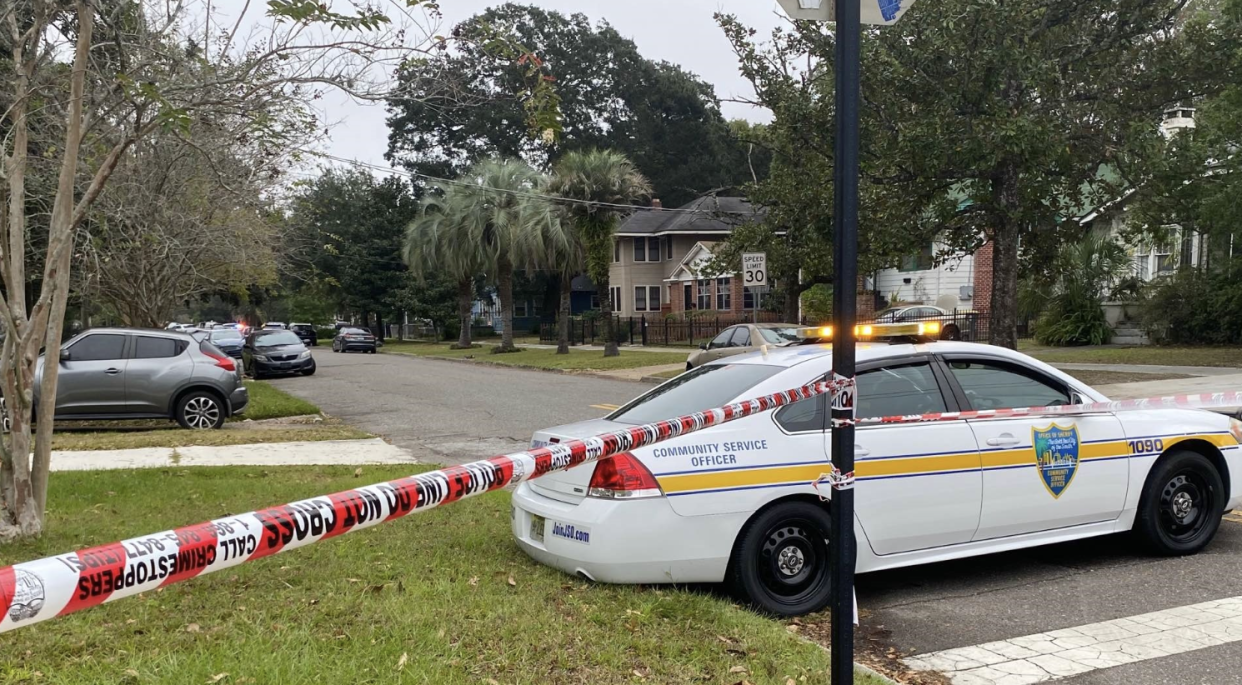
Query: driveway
x=450, y=412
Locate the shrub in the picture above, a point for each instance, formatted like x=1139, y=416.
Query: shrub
x=1085, y=273
x=1192, y=307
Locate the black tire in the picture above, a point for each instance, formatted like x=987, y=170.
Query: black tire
x=371, y=351
x=951, y=332
x=200, y=410
x=780, y=562
x=310, y=370
x=1182, y=504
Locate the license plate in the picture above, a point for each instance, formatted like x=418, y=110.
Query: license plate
x=536, y=527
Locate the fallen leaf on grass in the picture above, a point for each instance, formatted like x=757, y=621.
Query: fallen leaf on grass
x=493, y=681
x=193, y=628
x=512, y=581
x=404, y=655
x=738, y=669
x=217, y=677
x=474, y=581
x=358, y=472
x=639, y=674
x=790, y=681
x=131, y=673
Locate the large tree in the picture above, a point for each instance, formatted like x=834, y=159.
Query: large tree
x=595, y=186
x=666, y=120
x=357, y=222
x=987, y=121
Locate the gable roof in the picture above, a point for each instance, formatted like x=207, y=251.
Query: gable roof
x=698, y=255
x=708, y=214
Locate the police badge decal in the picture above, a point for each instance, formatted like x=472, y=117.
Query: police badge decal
x=28, y=596
x=1056, y=456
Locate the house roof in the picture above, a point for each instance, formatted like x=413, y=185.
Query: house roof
x=708, y=214
x=701, y=252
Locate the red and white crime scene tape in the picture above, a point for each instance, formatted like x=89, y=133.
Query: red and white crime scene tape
x=38, y=590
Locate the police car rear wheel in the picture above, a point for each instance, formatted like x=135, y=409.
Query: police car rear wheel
x=780, y=564
x=1182, y=504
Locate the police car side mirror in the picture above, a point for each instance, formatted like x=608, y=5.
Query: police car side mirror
x=66, y=355
x=702, y=346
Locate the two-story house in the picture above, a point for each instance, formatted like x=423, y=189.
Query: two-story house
x=660, y=255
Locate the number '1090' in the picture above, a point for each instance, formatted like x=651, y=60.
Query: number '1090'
x=1146, y=446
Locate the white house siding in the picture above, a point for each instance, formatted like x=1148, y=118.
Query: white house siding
x=940, y=286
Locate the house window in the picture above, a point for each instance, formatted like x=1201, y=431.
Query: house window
x=614, y=296
x=724, y=294
x=616, y=250
x=705, y=294
x=646, y=249
x=640, y=249
x=647, y=298
x=519, y=308
x=653, y=249
x=922, y=261
x=668, y=247
x=1154, y=260
x=751, y=298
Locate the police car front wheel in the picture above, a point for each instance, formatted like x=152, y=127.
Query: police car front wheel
x=1182, y=504
x=780, y=564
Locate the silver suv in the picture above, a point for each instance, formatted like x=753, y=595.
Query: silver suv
x=128, y=373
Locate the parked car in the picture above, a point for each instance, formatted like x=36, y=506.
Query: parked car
x=306, y=332
x=951, y=324
x=354, y=340
x=126, y=373
x=269, y=352
x=275, y=326
x=230, y=340
x=743, y=338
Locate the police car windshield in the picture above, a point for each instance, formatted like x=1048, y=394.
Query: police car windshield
x=706, y=387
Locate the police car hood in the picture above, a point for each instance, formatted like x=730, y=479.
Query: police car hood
x=569, y=485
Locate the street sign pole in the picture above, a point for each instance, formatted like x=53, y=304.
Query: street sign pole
x=844, y=301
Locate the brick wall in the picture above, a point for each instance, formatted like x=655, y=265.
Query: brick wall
x=982, y=301
x=737, y=301
x=677, y=298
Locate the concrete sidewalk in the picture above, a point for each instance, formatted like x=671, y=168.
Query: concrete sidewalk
x=1175, y=386
x=323, y=453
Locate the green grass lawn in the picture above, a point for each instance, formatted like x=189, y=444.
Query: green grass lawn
x=1145, y=354
x=671, y=373
x=576, y=360
x=179, y=437
x=1096, y=378
x=442, y=597
x=269, y=402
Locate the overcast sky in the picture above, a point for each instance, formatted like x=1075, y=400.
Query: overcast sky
x=679, y=31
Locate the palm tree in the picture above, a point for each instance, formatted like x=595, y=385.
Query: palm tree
x=437, y=242
x=495, y=195
x=560, y=251
x=600, y=182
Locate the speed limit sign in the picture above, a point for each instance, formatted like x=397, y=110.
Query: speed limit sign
x=755, y=268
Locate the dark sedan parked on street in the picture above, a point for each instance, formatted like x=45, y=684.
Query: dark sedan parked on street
x=269, y=352
x=230, y=340
x=354, y=340
x=306, y=332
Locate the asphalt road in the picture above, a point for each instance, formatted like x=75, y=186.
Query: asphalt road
x=451, y=412
x=448, y=412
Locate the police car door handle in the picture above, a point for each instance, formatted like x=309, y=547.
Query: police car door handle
x=860, y=451
x=1003, y=440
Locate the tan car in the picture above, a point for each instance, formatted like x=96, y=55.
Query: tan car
x=743, y=338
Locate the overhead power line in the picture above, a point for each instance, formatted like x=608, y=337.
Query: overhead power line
x=517, y=193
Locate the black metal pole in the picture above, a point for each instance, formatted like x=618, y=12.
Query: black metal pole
x=844, y=306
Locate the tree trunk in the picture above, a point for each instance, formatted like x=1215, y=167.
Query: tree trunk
x=564, y=321
x=793, y=293
x=504, y=284
x=465, y=296
x=1003, y=318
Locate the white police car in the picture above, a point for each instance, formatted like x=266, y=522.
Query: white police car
x=735, y=503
